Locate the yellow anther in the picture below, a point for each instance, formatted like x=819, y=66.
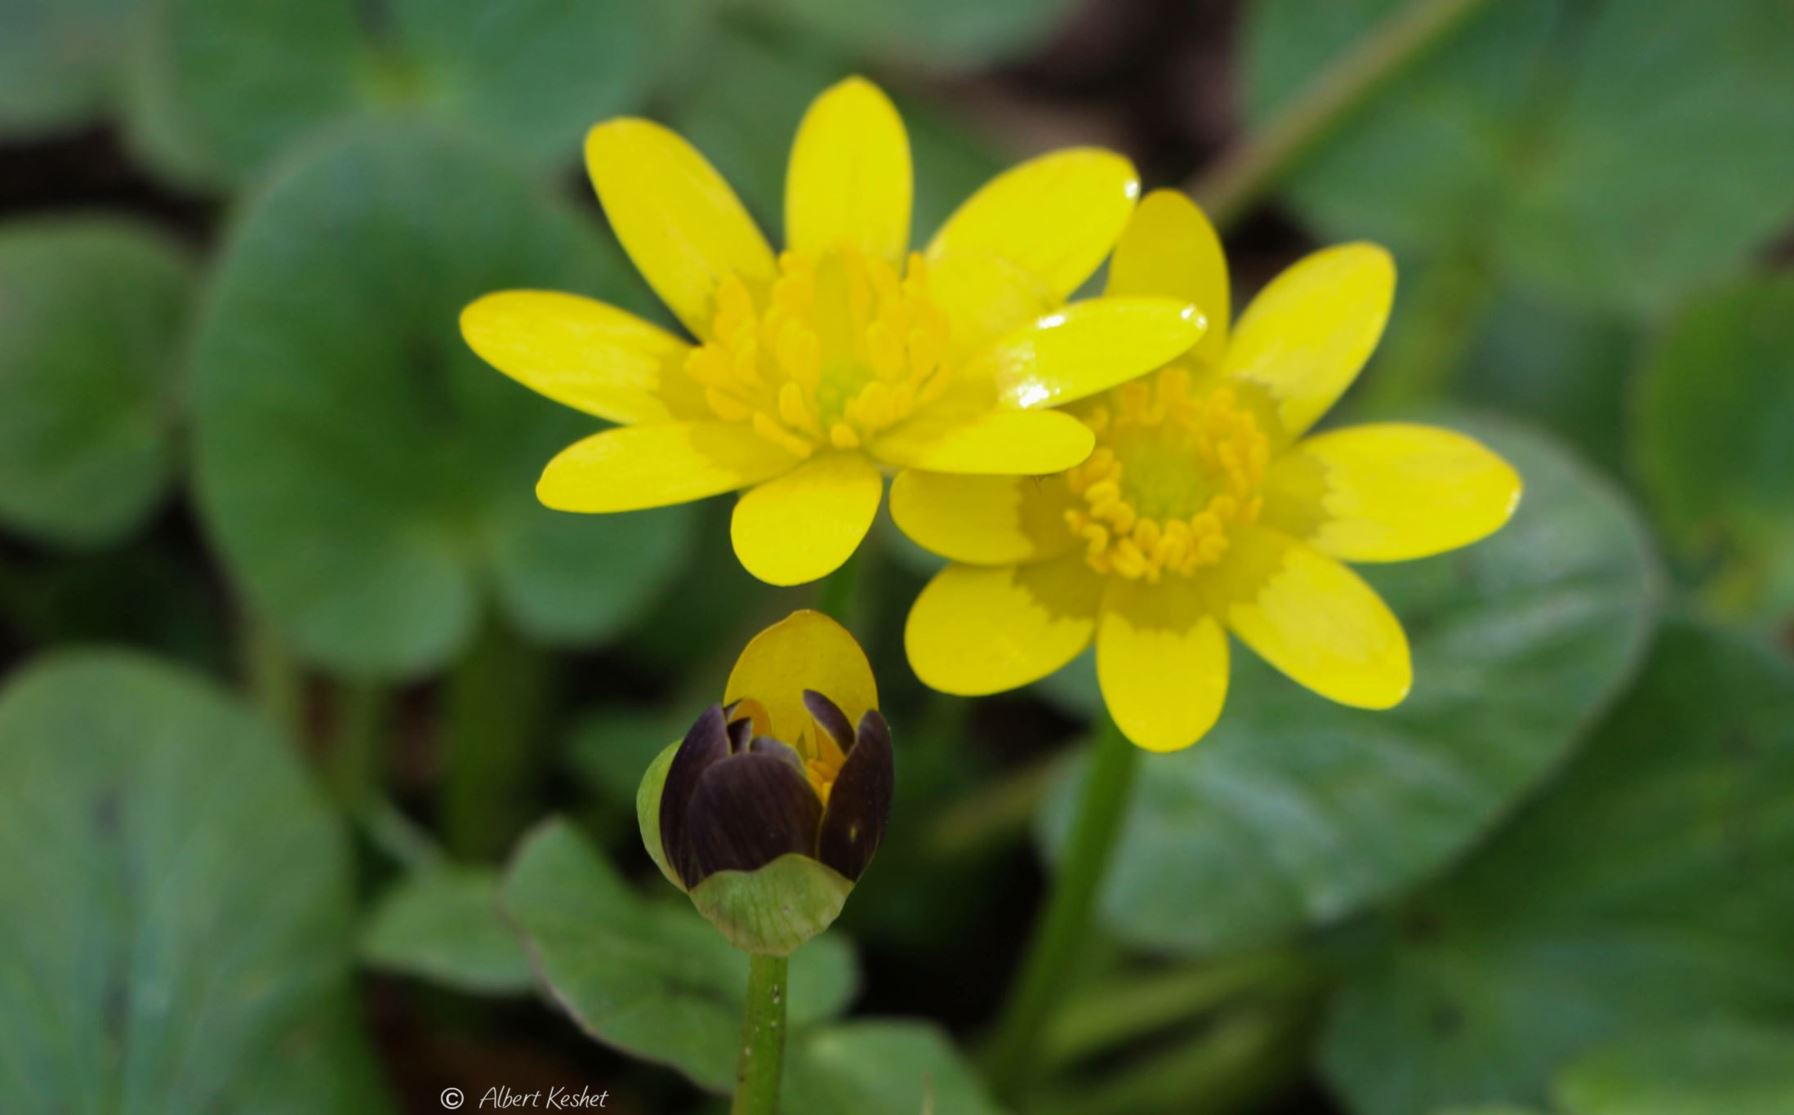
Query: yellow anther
x=1174, y=470
x=833, y=350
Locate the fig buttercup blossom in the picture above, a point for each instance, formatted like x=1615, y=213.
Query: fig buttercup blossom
x=817, y=369
x=1205, y=508
x=771, y=807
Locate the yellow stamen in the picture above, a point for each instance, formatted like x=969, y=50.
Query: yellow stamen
x=1172, y=473
x=834, y=350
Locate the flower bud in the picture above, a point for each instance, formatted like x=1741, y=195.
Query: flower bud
x=770, y=809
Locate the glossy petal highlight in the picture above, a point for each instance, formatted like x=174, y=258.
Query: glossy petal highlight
x=583, y=353
x=805, y=650
x=1390, y=492
x=849, y=180
x=1313, y=619
x=805, y=524
x=979, y=629
x=635, y=467
x=679, y=221
x=1089, y=347
x=1170, y=249
x=1161, y=660
x=985, y=520
x=1306, y=336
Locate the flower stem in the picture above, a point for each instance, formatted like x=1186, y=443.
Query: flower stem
x=1061, y=932
x=1230, y=187
x=836, y=598
x=762, y=1057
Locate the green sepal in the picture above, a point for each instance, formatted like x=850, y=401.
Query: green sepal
x=773, y=909
x=647, y=809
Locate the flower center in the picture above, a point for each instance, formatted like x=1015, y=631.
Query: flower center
x=834, y=350
x=1173, y=471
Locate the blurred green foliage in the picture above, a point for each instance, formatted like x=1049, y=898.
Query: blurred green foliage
x=1552, y=883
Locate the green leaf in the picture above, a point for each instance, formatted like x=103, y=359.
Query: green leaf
x=178, y=923
x=1607, y=154
x=445, y=925
x=1295, y=811
x=651, y=979
x=1645, y=888
x=881, y=1067
x=90, y=313
x=1722, y=1068
x=222, y=87
x=59, y=61
x=937, y=33
x=367, y=478
x=1716, y=407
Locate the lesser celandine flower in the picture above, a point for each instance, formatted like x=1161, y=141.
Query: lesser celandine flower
x=772, y=806
x=1205, y=508
x=817, y=368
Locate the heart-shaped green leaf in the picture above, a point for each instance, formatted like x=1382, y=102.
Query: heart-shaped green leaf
x=1646, y=888
x=178, y=925
x=445, y=925
x=1610, y=154
x=650, y=978
x=1723, y=1068
x=60, y=61
x=223, y=87
x=934, y=32
x=91, y=310
x=1714, y=445
x=366, y=476
x=881, y=1067
x=1294, y=811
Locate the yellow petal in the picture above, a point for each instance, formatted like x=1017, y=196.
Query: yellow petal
x=981, y=629
x=1390, y=492
x=676, y=217
x=633, y=467
x=806, y=523
x=999, y=442
x=1027, y=239
x=985, y=520
x=583, y=353
x=1312, y=618
x=805, y=650
x=849, y=181
x=1086, y=348
x=1304, y=338
x=1161, y=659
x=1170, y=249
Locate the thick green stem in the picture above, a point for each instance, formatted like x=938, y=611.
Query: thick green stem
x=1064, y=927
x=1230, y=187
x=494, y=703
x=762, y=1057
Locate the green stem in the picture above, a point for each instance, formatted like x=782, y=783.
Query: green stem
x=356, y=754
x=1060, y=934
x=839, y=589
x=495, y=700
x=274, y=677
x=1230, y=187
x=762, y=1059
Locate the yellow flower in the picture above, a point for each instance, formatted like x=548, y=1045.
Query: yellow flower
x=817, y=368
x=1205, y=508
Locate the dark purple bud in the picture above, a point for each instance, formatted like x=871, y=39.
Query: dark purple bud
x=859, y=805
x=748, y=810
x=833, y=720
x=705, y=745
